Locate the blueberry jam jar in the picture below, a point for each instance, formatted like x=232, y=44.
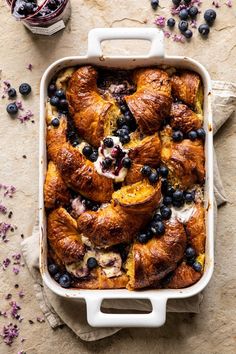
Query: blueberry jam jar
x=44, y=17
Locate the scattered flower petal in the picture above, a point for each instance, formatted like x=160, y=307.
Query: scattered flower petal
x=216, y=4
x=19, y=105
x=6, y=262
x=229, y=3
x=40, y=319
x=3, y=209
x=4, y=228
x=15, y=270
x=193, y=24
x=29, y=67
x=8, y=296
x=167, y=34
x=9, y=333
x=25, y=117
x=178, y=38
x=160, y=21
x=21, y=293
x=9, y=190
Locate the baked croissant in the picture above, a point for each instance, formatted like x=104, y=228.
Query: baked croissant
x=63, y=236
x=151, y=102
x=55, y=189
x=195, y=229
x=183, y=276
x=183, y=118
x=187, y=87
x=131, y=211
x=147, y=264
x=185, y=160
x=98, y=280
x=93, y=116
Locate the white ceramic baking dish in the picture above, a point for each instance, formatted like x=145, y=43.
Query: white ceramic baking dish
x=158, y=298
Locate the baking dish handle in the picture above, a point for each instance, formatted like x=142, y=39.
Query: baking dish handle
x=98, y=35
x=97, y=318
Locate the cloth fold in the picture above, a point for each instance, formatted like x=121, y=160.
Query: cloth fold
x=58, y=310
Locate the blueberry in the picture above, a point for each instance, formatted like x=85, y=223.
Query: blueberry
x=176, y=2
x=210, y=16
x=126, y=128
x=170, y=190
x=190, y=252
x=60, y=94
x=54, y=101
x=21, y=9
x=183, y=14
x=53, y=269
x=51, y=89
x=178, y=203
x=177, y=136
x=25, y=89
x=120, y=122
x=187, y=2
x=88, y=203
x=146, y=170
x=171, y=22
x=95, y=207
x=52, y=5
x=63, y=105
x=65, y=281
x=87, y=150
x=188, y=34
x=122, y=132
x=164, y=185
x=178, y=195
x=192, y=135
x=158, y=228
x=153, y=178
x=125, y=139
x=204, y=30
x=167, y=200
x=165, y=212
x=108, y=142
x=197, y=266
x=92, y=263
x=193, y=11
x=157, y=217
x=12, y=108
x=106, y=163
x=163, y=170
x=11, y=93
x=189, y=197
x=191, y=261
x=154, y=4
x=29, y=8
x=123, y=108
x=126, y=162
x=143, y=238
x=55, y=122
x=183, y=26
x=57, y=276
x=75, y=143
x=93, y=157
x=201, y=133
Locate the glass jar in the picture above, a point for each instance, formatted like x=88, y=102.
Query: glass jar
x=44, y=20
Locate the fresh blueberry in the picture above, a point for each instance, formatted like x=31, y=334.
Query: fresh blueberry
x=178, y=195
x=193, y=11
x=143, y=238
x=171, y=22
x=52, y=4
x=106, y=163
x=192, y=135
x=163, y=170
x=108, y=142
x=189, y=197
x=164, y=185
x=178, y=203
x=120, y=122
x=158, y=228
x=176, y=2
x=170, y=190
x=88, y=203
x=75, y=143
x=55, y=122
x=60, y=94
x=154, y=4
x=92, y=263
x=183, y=26
x=146, y=170
x=65, y=281
x=191, y=261
x=123, y=108
x=157, y=217
x=21, y=9
x=177, y=136
x=153, y=178
x=12, y=108
x=53, y=269
x=11, y=93
x=190, y=252
x=125, y=139
x=29, y=8
x=201, y=133
x=167, y=200
x=57, y=276
x=188, y=34
x=165, y=212
x=204, y=29
x=126, y=162
x=63, y=105
x=25, y=89
x=197, y=266
x=87, y=150
x=51, y=89
x=93, y=157
x=183, y=14
x=210, y=16
x=54, y=101
x=126, y=128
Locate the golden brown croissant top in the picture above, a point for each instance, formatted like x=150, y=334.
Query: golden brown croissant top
x=94, y=116
x=183, y=276
x=183, y=118
x=151, y=102
x=195, y=229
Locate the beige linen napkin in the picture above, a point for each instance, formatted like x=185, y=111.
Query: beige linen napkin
x=60, y=311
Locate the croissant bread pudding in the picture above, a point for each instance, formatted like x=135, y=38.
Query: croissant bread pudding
x=124, y=188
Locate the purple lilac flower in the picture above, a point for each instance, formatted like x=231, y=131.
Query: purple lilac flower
x=9, y=333
x=15, y=270
x=178, y=38
x=3, y=209
x=4, y=227
x=29, y=67
x=25, y=117
x=160, y=21
x=6, y=262
x=229, y=3
x=216, y=4
x=167, y=34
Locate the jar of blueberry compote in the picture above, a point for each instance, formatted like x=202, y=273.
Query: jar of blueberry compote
x=42, y=16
